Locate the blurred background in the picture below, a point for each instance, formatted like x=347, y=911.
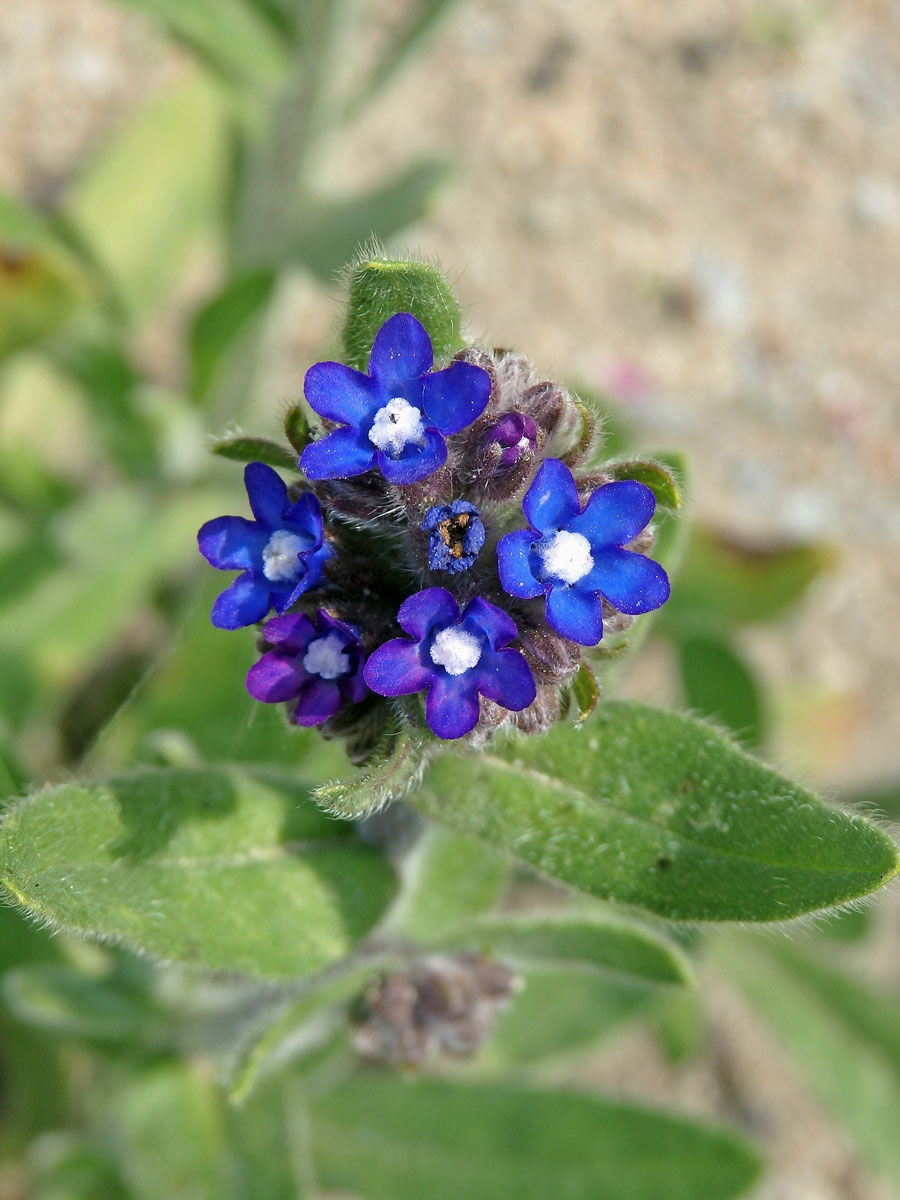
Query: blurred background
x=691, y=210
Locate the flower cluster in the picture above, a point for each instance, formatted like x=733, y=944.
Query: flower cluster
x=442, y=544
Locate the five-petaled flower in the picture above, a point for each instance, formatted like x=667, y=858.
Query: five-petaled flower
x=576, y=557
x=396, y=417
x=455, y=535
x=319, y=663
x=280, y=554
x=456, y=656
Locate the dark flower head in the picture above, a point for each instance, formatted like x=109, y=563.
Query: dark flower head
x=455, y=535
x=396, y=417
x=319, y=663
x=280, y=554
x=456, y=657
x=576, y=557
x=510, y=439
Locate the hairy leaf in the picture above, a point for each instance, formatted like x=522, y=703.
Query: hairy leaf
x=389, y=779
x=393, y=1139
x=658, y=810
x=654, y=475
x=226, y=868
x=379, y=288
x=597, y=939
x=256, y=449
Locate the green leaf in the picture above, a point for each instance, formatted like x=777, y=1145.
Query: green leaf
x=659, y=810
x=255, y=449
x=221, y=322
x=845, y=1037
x=226, y=868
x=585, y=693
x=379, y=288
x=393, y=1139
x=448, y=879
x=38, y=293
x=561, y=1009
x=596, y=939
x=226, y=34
x=727, y=582
x=654, y=475
x=70, y=1167
x=718, y=683
x=71, y=1003
x=296, y=428
x=115, y=208
x=331, y=231
x=390, y=779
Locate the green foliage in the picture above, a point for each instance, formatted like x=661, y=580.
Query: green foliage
x=378, y=288
x=448, y=879
x=845, y=1037
x=654, y=475
x=38, y=292
x=69, y=1002
x=723, y=581
x=596, y=939
x=191, y=865
x=393, y=1139
x=220, y=323
x=391, y=778
x=719, y=684
x=659, y=810
x=255, y=449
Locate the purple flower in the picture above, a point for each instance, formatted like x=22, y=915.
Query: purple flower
x=455, y=656
x=509, y=439
x=318, y=662
x=455, y=535
x=576, y=556
x=396, y=417
x=280, y=554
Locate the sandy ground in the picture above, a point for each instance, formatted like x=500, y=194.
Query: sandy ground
x=698, y=205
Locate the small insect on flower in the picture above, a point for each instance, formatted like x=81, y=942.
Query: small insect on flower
x=455, y=535
x=280, y=554
x=397, y=416
x=577, y=557
x=318, y=662
x=456, y=657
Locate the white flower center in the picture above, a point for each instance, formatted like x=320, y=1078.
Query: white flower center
x=455, y=650
x=396, y=425
x=325, y=656
x=523, y=443
x=280, y=556
x=567, y=556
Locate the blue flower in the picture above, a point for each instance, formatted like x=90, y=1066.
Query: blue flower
x=318, y=663
x=396, y=417
x=576, y=556
x=455, y=535
x=280, y=554
x=456, y=656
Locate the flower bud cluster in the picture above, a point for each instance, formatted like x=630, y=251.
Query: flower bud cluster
x=444, y=543
x=440, y=1005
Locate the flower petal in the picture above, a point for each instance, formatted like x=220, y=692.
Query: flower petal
x=233, y=543
x=414, y=462
x=514, y=562
x=506, y=678
x=319, y=700
x=355, y=686
x=552, y=500
x=338, y=455
x=615, y=513
x=267, y=492
x=576, y=614
x=401, y=353
x=276, y=677
x=420, y=613
x=456, y=396
x=489, y=620
x=451, y=707
x=306, y=514
x=396, y=669
x=292, y=633
x=632, y=582
x=244, y=603
x=313, y=564
x=340, y=394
